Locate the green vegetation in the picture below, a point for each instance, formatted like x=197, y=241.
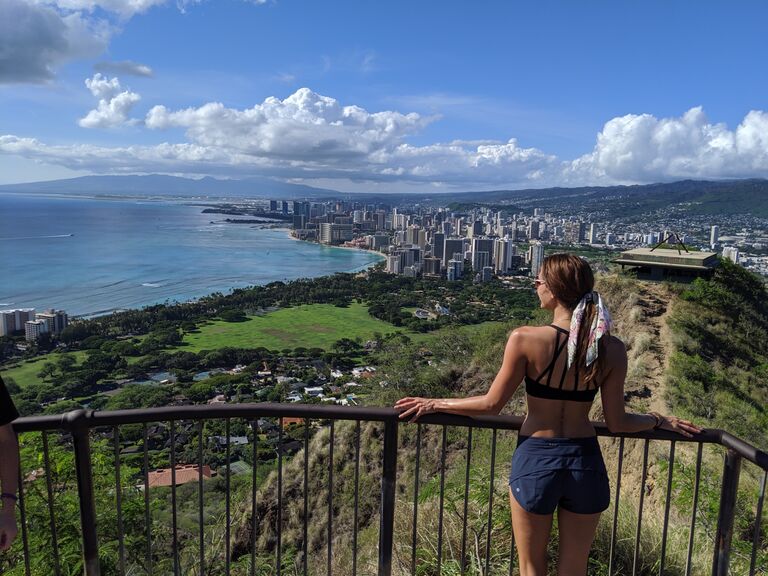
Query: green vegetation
x=26, y=372
x=308, y=326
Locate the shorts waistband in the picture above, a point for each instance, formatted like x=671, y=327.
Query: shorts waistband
x=587, y=444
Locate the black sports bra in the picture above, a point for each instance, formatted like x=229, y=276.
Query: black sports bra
x=538, y=390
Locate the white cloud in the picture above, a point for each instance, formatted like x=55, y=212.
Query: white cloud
x=114, y=105
x=315, y=138
x=124, y=67
x=304, y=127
x=642, y=148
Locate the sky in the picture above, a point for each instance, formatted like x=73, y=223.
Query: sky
x=364, y=96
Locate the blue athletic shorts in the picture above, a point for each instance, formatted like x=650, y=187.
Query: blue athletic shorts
x=567, y=472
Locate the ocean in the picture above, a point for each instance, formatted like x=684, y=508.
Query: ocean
x=91, y=256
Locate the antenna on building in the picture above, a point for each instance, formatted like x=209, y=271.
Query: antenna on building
x=678, y=242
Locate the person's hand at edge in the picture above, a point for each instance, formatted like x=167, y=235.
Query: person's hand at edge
x=415, y=407
x=679, y=425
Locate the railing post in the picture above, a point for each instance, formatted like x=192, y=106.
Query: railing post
x=731, y=471
x=387, y=515
x=77, y=423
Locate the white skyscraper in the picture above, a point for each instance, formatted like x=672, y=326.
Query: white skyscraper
x=714, y=235
x=731, y=253
x=593, y=234
x=536, y=253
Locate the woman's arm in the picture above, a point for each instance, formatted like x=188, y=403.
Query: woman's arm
x=612, y=395
x=9, y=481
x=505, y=383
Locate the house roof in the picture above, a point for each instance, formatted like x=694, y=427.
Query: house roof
x=184, y=473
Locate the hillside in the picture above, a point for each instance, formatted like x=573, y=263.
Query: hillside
x=676, y=340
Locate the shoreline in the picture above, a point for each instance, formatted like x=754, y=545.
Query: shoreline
x=374, y=252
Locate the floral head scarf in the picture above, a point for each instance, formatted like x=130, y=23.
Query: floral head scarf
x=601, y=324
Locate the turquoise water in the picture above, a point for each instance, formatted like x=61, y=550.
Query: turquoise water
x=91, y=256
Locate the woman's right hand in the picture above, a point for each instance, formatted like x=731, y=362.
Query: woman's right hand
x=415, y=406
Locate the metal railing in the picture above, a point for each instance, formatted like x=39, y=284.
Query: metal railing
x=82, y=425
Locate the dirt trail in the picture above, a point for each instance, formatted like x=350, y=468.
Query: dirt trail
x=655, y=302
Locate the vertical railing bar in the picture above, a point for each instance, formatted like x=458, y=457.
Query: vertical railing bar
x=387, y=509
x=357, y=497
x=466, y=503
x=147, y=519
x=758, y=521
x=77, y=423
x=119, y=502
x=23, y=522
x=442, y=501
x=305, y=544
x=176, y=567
x=688, y=561
x=512, y=541
x=636, y=554
x=490, y=505
x=330, y=499
x=667, y=503
x=200, y=502
x=725, y=517
x=414, y=534
x=279, y=519
x=612, y=552
x=254, y=464
x=228, y=499
x=52, y=516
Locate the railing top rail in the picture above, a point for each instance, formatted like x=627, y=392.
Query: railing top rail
x=92, y=419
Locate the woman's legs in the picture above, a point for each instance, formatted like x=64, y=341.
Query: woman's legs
x=577, y=531
x=531, y=538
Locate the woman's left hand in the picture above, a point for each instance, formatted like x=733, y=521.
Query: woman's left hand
x=416, y=407
x=675, y=424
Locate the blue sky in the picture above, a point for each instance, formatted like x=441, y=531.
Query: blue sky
x=385, y=96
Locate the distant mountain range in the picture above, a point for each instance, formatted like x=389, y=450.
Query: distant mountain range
x=726, y=197
x=159, y=185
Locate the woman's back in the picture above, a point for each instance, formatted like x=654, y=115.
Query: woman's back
x=559, y=399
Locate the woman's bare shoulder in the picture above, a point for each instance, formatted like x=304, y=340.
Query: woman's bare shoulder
x=615, y=350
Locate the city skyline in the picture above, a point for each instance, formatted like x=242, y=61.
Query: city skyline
x=384, y=98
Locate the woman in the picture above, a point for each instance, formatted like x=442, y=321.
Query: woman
x=558, y=464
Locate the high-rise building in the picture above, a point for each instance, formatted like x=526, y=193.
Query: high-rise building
x=480, y=259
x=476, y=228
x=714, y=235
x=573, y=232
x=13, y=320
x=284, y=207
x=452, y=246
x=536, y=257
x=486, y=274
x=438, y=244
x=455, y=269
x=273, y=205
x=482, y=245
x=34, y=328
x=731, y=253
x=432, y=266
x=593, y=233
x=379, y=241
x=393, y=264
x=56, y=320
x=503, y=251
x=533, y=230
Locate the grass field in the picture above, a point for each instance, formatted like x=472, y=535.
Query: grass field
x=308, y=326
x=25, y=372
